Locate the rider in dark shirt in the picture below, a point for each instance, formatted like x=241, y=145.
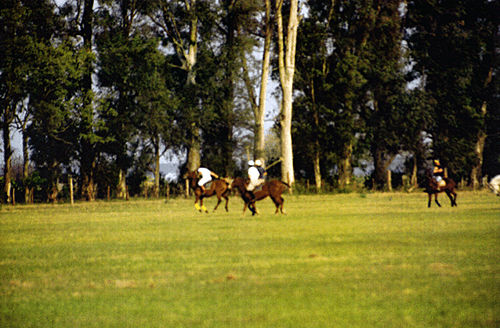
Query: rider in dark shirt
x=438, y=172
x=262, y=171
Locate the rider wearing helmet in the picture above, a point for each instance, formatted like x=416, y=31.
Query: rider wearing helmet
x=438, y=173
x=254, y=175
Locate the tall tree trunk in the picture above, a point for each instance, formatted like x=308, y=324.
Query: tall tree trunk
x=317, y=168
x=7, y=158
x=287, y=69
x=379, y=174
x=476, y=172
x=317, y=146
x=156, y=188
x=188, y=61
x=87, y=156
x=413, y=180
x=26, y=163
x=194, y=159
x=345, y=165
x=259, y=141
x=228, y=90
x=121, y=188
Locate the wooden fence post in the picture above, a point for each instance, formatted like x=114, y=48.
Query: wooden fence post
x=389, y=180
x=71, y=190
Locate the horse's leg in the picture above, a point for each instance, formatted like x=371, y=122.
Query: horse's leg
x=454, y=199
x=218, y=201
x=227, y=201
x=196, y=205
x=448, y=193
x=251, y=207
x=202, y=206
x=282, y=203
x=436, y=199
x=276, y=203
x=430, y=200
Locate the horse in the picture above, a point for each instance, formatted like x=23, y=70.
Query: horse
x=218, y=187
x=495, y=185
x=273, y=189
x=433, y=189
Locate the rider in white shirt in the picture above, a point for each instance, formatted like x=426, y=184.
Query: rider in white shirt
x=255, y=177
x=206, y=176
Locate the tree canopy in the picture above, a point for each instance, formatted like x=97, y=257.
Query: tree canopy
x=101, y=91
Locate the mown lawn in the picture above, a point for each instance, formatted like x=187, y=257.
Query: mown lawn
x=374, y=260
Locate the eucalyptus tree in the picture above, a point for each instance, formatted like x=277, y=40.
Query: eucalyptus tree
x=313, y=121
x=123, y=42
x=179, y=24
x=287, y=44
x=157, y=106
x=53, y=85
x=261, y=26
x=80, y=18
x=455, y=48
x=385, y=84
x=25, y=26
x=222, y=98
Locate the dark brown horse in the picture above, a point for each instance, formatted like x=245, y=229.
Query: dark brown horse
x=218, y=187
x=433, y=189
x=273, y=189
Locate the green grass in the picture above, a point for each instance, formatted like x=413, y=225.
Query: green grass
x=350, y=260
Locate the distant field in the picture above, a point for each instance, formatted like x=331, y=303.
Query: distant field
x=350, y=260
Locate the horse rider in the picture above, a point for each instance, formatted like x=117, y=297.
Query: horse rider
x=254, y=176
x=438, y=173
x=262, y=171
x=205, y=176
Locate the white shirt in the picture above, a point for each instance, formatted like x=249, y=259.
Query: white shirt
x=205, y=173
x=253, y=173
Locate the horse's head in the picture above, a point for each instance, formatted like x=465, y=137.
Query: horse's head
x=240, y=184
x=192, y=177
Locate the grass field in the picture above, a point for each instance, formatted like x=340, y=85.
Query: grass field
x=350, y=260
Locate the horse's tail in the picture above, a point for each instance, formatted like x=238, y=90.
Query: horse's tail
x=286, y=184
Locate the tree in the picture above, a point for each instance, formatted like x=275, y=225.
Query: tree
x=179, y=21
x=384, y=83
x=313, y=119
x=52, y=84
x=25, y=25
x=259, y=106
x=80, y=17
x=455, y=48
x=286, y=58
x=121, y=52
x=157, y=105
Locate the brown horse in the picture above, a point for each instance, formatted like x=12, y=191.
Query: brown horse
x=433, y=189
x=273, y=189
x=218, y=187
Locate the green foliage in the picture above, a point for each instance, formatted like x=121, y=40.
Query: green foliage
x=109, y=89
x=455, y=45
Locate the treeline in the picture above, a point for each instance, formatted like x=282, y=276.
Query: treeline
x=101, y=90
